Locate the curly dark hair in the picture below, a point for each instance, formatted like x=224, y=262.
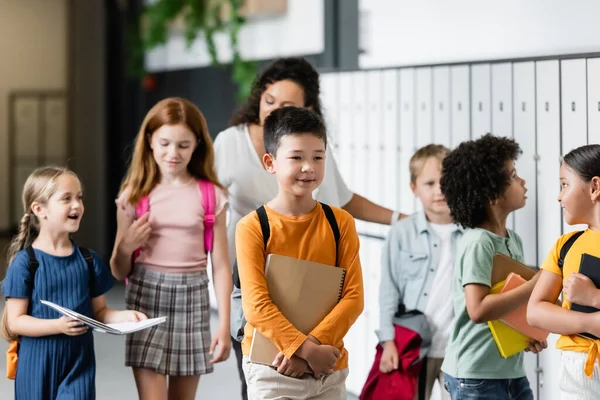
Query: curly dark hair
x=296, y=69
x=474, y=174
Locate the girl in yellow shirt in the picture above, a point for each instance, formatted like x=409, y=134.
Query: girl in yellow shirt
x=580, y=200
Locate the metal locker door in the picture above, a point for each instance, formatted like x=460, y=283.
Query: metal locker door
x=441, y=106
x=574, y=112
x=424, y=93
x=549, y=211
x=329, y=102
x=345, y=136
x=391, y=143
x=502, y=87
x=481, y=116
x=460, y=114
x=359, y=177
x=407, y=137
x=593, y=87
x=376, y=176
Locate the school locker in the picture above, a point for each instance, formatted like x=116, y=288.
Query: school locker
x=391, y=143
x=549, y=211
x=346, y=127
x=376, y=176
x=502, y=110
x=460, y=110
x=407, y=137
x=329, y=99
x=481, y=116
x=524, y=133
x=593, y=85
x=441, y=106
x=574, y=111
x=424, y=98
x=358, y=180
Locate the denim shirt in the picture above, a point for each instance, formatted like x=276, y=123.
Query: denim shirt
x=410, y=258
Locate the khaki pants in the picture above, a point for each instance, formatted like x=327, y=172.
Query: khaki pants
x=265, y=383
x=434, y=372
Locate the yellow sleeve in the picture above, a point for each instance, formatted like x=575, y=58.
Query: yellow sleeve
x=259, y=310
x=551, y=262
x=337, y=323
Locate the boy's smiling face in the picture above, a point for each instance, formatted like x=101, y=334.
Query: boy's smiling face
x=427, y=188
x=299, y=164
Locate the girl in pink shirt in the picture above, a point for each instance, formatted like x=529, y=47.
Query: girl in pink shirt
x=173, y=152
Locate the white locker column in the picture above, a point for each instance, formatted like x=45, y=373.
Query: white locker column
x=524, y=133
x=358, y=180
x=593, y=90
x=377, y=176
x=549, y=211
x=441, y=106
x=460, y=109
x=574, y=111
x=345, y=135
x=407, y=137
x=330, y=101
x=502, y=118
x=391, y=142
x=481, y=116
x=424, y=92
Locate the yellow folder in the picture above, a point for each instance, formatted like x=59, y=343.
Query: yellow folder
x=509, y=340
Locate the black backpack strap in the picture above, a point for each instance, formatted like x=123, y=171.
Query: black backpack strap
x=566, y=247
x=89, y=260
x=264, y=224
x=33, y=264
x=266, y=232
x=334, y=227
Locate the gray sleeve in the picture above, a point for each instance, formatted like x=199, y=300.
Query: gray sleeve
x=389, y=286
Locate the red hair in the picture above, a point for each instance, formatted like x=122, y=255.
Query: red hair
x=143, y=173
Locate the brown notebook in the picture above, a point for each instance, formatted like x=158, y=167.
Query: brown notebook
x=304, y=291
x=504, y=265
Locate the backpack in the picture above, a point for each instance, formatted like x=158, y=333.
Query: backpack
x=238, y=321
x=566, y=247
x=207, y=189
x=12, y=354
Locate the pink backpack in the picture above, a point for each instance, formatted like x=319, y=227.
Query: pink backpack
x=207, y=189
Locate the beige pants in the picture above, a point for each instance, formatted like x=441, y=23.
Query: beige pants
x=265, y=383
x=434, y=372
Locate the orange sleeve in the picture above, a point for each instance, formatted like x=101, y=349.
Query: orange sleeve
x=259, y=310
x=337, y=323
x=550, y=264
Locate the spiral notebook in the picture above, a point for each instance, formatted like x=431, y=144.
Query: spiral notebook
x=304, y=291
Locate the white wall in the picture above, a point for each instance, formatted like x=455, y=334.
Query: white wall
x=300, y=31
x=33, y=45
x=404, y=32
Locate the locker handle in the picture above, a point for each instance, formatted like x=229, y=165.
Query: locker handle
x=441, y=106
x=423, y=106
x=460, y=106
x=523, y=107
x=406, y=106
x=599, y=106
x=572, y=106
x=547, y=106
x=501, y=106
x=480, y=106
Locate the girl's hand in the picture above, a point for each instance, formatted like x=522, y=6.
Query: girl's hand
x=70, y=326
x=222, y=343
x=581, y=290
x=535, y=347
x=137, y=234
x=294, y=368
x=129, y=316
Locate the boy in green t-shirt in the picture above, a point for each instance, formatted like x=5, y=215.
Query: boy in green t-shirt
x=481, y=186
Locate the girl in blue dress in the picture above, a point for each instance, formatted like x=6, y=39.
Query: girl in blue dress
x=56, y=354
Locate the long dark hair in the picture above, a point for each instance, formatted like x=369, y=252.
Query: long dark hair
x=296, y=69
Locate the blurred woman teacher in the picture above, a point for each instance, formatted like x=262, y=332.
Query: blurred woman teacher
x=239, y=151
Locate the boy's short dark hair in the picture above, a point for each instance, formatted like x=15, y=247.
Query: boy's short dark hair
x=291, y=121
x=474, y=174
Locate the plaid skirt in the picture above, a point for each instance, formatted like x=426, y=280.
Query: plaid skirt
x=180, y=346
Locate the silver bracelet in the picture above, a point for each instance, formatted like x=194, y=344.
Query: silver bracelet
x=395, y=216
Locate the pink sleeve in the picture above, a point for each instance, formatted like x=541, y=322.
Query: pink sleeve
x=220, y=200
x=123, y=202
